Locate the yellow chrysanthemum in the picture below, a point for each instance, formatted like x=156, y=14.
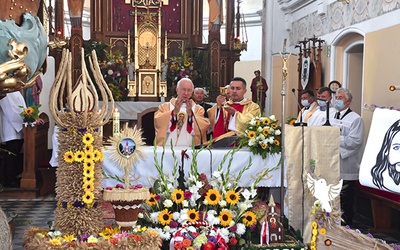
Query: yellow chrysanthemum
x=264, y=146
x=225, y=217
x=213, y=197
x=177, y=196
x=89, y=156
x=88, y=170
x=193, y=215
x=266, y=121
x=88, y=186
x=88, y=148
x=274, y=125
x=88, y=197
x=232, y=197
x=164, y=217
x=108, y=232
x=251, y=134
x=28, y=111
x=276, y=142
x=152, y=201
x=78, y=156
x=322, y=231
x=69, y=157
x=55, y=242
x=249, y=218
x=266, y=131
x=69, y=238
x=87, y=139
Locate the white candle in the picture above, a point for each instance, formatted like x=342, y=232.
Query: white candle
x=115, y=122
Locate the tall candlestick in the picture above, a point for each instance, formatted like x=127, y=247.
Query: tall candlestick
x=115, y=122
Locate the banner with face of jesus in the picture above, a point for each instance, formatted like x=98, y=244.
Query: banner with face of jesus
x=380, y=165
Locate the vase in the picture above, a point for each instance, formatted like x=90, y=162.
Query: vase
x=126, y=204
x=126, y=213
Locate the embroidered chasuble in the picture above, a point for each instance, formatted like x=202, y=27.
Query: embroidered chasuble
x=221, y=126
x=180, y=131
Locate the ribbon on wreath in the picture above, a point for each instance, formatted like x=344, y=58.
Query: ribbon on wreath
x=264, y=235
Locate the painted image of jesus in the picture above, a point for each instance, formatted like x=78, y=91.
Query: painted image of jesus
x=386, y=172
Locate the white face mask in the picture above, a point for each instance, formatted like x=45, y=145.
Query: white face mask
x=305, y=103
x=321, y=103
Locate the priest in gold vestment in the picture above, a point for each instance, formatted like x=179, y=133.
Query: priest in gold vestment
x=230, y=117
x=181, y=120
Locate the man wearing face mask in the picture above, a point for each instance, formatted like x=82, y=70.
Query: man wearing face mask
x=309, y=106
x=351, y=149
x=324, y=97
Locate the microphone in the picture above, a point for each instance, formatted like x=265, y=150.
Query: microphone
x=327, y=123
x=301, y=123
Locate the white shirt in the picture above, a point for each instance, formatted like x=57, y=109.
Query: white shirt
x=319, y=117
x=10, y=116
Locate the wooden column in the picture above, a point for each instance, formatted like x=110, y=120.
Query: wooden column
x=28, y=180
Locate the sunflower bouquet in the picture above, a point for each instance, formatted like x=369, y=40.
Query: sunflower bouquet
x=30, y=114
x=262, y=136
x=197, y=198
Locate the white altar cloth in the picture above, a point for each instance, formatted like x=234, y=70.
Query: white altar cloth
x=129, y=110
x=145, y=172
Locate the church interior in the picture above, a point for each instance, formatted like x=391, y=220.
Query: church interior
x=114, y=62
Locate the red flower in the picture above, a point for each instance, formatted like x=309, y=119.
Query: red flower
x=233, y=241
x=178, y=245
x=209, y=246
x=113, y=241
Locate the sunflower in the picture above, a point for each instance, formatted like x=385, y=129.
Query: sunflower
x=88, y=186
x=87, y=139
x=292, y=122
x=96, y=155
x=193, y=215
x=88, y=197
x=251, y=134
x=232, y=197
x=258, y=122
x=69, y=157
x=266, y=121
x=213, y=197
x=88, y=178
x=88, y=171
x=249, y=218
x=164, y=217
x=276, y=142
x=88, y=148
x=177, y=196
x=89, y=156
x=274, y=125
x=263, y=146
x=152, y=201
x=225, y=217
x=266, y=131
x=88, y=165
x=78, y=156
x=28, y=111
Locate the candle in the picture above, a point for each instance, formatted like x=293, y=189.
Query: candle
x=115, y=122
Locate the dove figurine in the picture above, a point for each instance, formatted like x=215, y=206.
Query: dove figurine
x=323, y=192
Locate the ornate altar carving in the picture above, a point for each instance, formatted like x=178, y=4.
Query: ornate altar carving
x=147, y=50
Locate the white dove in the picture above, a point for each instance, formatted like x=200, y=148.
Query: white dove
x=323, y=192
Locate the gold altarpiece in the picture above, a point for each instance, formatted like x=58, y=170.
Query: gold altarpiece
x=147, y=51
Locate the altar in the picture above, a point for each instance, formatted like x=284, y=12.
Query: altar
x=129, y=110
x=208, y=161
